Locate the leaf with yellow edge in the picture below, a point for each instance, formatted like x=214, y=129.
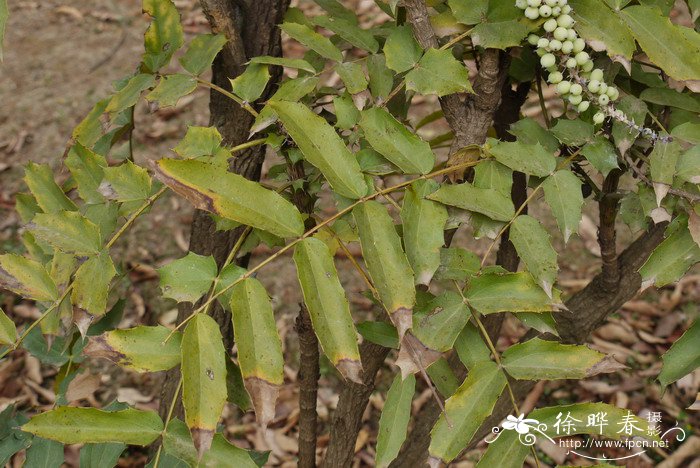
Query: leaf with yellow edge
x=8, y=331
x=203, y=379
x=259, y=346
x=26, y=277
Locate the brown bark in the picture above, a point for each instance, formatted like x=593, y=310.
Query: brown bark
x=308, y=389
x=251, y=30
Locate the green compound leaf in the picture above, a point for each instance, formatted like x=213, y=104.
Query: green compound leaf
x=510, y=292
x=401, y=49
x=259, y=346
x=67, y=231
x=683, y=357
x=671, y=259
x=662, y=167
x=203, y=379
x=48, y=195
x=387, y=264
x=353, y=76
x=602, y=29
x=313, y=40
x=87, y=168
x=423, y=229
x=538, y=359
x=532, y=242
x=188, y=278
x=438, y=323
x=562, y=191
x=89, y=425
x=328, y=307
x=396, y=143
x=177, y=441
x=530, y=159
x=601, y=154
x=499, y=34
x=490, y=202
x=393, y=423
x=91, y=288
x=143, y=349
x=470, y=405
x=438, y=72
x=8, y=331
x=323, y=148
x=27, y=278
x=171, y=88
x=199, y=141
x=349, y=31
x=457, y=264
x=201, y=52
x=292, y=91
x=674, y=48
x=250, y=84
x=128, y=96
x=127, y=183
x=299, y=64
x=164, y=36
x=231, y=196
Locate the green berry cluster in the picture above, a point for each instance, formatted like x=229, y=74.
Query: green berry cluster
x=562, y=54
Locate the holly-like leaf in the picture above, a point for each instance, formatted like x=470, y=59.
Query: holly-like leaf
x=532, y=243
x=457, y=264
x=89, y=425
x=250, y=84
x=164, y=36
x=601, y=154
x=201, y=52
x=490, y=202
x=67, y=231
x=171, y=88
x=199, y=141
x=438, y=72
x=438, y=323
x=292, y=91
x=231, y=196
x=328, y=307
x=259, y=346
x=423, y=230
x=188, y=278
x=672, y=258
x=313, y=40
x=470, y=405
x=401, y=49
x=91, y=288
x=203, y=379
x=662, y=166
x=127, y=183
x=509, y=292
x=393, y=423
x=8, y=331
x=128, y=96
x=44, y=453
x=396, y=143
x=349, y=31
x=87, y=168
x=387, y=264
x=143, y=349
x=48, y=195
x=26, y=277
x=353, y=76
x=323, y=148
x=562, y=191
x=602, y=29
x=530, y=159
x=100, y=455
x=683, y=357
x=299, y=64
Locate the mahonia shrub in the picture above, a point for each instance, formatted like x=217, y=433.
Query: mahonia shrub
x=625, y=76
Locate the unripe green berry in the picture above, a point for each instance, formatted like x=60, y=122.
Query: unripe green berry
x=598, y=118
x=565, y=21
x=571, y=63
x=542, y=43
x=583, y=106
x=532, y=13
x=576, y=89
x=534, y=3
x=593, y=85
x=554, y=45
x=550, y=25
x=555, y=77
x=612, y=93
x=560, y=34
x=540, y=52
x=603, y=99
x=567, y=47
x=562, y=3
x=522, y=4
x=566, y=9
x=579, y=45
x=575, y=99
x=556, y=11
x=603, y=88
x=571, y=34
x=548, y=60
x=551, y=3
x=582, y=57
x=588, y=66
x=563, y=87
x=597, y=74
x=545, y=11
x=533, y=39
x=552, y=69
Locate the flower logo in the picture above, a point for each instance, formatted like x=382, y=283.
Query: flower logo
x=519, y=424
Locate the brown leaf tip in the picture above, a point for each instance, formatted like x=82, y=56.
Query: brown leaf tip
x=98, y=347
x=83, y=319
x=402, y=319
x=264, y=396
x=350, y=370
x=202, y=440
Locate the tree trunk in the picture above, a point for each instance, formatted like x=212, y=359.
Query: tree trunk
x=251, y=30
